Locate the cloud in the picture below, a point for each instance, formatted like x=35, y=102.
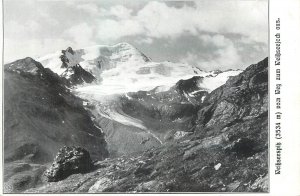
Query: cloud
x=110, y=30
x=117, y=11
x=88, y=8
x=161, y=21
x=157, y=20
x=217, y=40
x=190, y=58
x=81, y=35
x=120, y=12
x=14, y=49
x=16, y=30
x=146, y=40
x=248, y=19
x=224, y=57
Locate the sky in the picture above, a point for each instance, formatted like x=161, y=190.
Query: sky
x=219, y=34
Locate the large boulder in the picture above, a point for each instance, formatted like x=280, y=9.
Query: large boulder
x=69, y=160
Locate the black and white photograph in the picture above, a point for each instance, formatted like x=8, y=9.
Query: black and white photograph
x=135, y=96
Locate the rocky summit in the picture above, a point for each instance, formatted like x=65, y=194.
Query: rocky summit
x=109, y=119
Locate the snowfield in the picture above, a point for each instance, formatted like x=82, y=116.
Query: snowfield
x=121, y=68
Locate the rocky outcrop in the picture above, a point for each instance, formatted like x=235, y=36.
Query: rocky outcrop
x=69, y=160
x=242, y=97
x=64, y=58
x=77, y=75
x=74, y=72
x=27, y=65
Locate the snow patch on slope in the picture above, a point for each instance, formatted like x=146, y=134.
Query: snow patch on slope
x=211, y=83
x=53, y=62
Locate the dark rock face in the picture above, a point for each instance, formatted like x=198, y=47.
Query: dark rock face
x=189, y=90
x=64, y=58
x=31, y=69
x=189, y=85
x=41, y=115
x=242, y=97
x=74, y=72
x=77, y=75
x=23, y=65
x=146, y=59
x=69, y=160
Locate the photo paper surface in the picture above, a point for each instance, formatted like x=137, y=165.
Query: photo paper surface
x=145, y=97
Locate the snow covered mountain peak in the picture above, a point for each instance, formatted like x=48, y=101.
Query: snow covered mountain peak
x=93, y=59
x=122, y=68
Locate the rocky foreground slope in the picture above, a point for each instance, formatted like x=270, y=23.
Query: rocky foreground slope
x=226, y=151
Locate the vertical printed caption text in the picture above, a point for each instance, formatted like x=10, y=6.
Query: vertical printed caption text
x=278, y=100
